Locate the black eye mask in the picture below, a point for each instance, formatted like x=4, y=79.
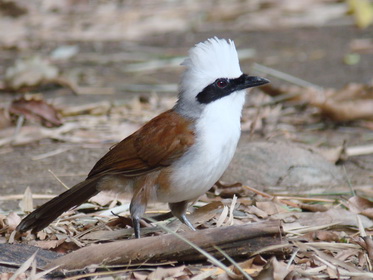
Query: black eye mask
x=223, y=86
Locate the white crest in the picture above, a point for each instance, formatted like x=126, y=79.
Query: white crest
x=209, y=60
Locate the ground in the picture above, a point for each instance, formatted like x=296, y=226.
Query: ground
x=317, y=54
x=307, y=53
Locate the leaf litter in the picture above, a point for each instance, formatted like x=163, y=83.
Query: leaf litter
x=311, y=237
x=326, y=236
x=319, y=235
x=353, y=102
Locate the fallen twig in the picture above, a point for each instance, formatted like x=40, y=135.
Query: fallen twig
x=359, y=150
x=234, y=240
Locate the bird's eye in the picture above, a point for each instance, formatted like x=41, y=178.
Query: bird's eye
x=222, y=83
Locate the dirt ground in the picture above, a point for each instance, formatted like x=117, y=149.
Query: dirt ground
x=110, y=66
x=313, y=54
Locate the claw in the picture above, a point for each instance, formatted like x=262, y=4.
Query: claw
x=136, y=227
x=185, y=220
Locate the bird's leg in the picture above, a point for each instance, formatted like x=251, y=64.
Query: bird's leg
x=137, y=208
x=178, y=209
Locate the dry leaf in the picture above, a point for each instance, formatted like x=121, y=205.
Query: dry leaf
x=26, y=204
x=368, y=213
x=331, y=154
x=29, y=134
x=313, y=207
x=164, y=273
x=36, y=109
x=347, y=110
x=225, y=190
x=271, y=208
x=96, y=109
x=273, y=270
x=252, y=266
x=369, y=246
x=365, y=242
x=324, y=235
x=353, y=102
x=361, y=205
x=364, y=45
x=203, y=214
x=12, y=9
x=222, y=217
x=140, y=275
x=12, y=220
x=337, y=215
x=29, y=72
x=48, y=244
x=258, y=212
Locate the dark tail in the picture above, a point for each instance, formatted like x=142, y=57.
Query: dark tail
x=49, y=211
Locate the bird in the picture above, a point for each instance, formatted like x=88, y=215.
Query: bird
x=180, y=154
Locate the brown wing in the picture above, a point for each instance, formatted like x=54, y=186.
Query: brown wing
x=157, y=144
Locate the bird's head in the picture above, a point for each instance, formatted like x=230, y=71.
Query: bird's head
x=212, y=73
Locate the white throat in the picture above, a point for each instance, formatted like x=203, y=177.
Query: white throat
x=217, y=133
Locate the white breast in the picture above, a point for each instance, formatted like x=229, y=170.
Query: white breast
x=217, y=134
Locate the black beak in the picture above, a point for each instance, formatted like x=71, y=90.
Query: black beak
x=245, y=81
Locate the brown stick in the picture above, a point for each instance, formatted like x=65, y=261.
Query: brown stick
x=234, y=240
